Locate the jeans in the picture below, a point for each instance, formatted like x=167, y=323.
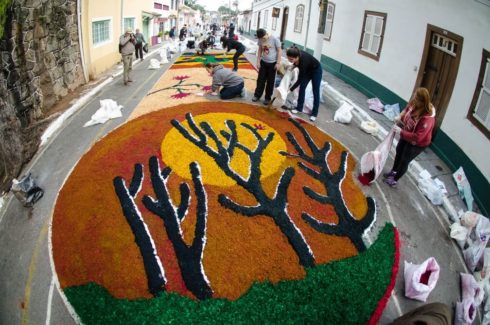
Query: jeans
x=231, y=92
x=266, y=79
x=316, y=79
x=236, y=56
x=139, y=50
x=405, y=153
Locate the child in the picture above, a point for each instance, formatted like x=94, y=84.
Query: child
x=231, y=84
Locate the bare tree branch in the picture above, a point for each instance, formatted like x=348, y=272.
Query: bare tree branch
x=153, y=266
x=274, y=207
x=188, y=257
x=347, y=224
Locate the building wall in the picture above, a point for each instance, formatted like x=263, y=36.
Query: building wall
x=103, y=56
x=393, y=77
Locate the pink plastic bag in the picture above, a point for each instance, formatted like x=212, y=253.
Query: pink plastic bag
x=376, y=105
x=372, y=162
x=421, y=279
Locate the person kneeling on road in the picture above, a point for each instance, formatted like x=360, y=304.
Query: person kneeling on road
x=231, y=84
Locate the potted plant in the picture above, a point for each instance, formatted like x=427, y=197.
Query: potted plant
x=165, y=35
x=160, y=34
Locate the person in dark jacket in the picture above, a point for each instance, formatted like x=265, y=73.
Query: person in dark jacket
x=231, y=31
x=171, y=34
x=309, y=69
x=227, y=82
x=231, y=44
x=414, y=125
x=183, y=33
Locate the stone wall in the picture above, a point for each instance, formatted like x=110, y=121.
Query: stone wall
x=40, y=64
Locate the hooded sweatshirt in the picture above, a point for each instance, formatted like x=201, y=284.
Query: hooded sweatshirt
x=224, y=78
x=418, y=132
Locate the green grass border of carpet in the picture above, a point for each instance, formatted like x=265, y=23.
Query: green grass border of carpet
x=349, y=291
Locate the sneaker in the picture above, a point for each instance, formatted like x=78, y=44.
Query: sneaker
x=267, y=101
x=255, y=99
x=390, y=181
x=390, y=174
x=294, y=111
x=313, y=118
x=242, y=93
x=235, y=69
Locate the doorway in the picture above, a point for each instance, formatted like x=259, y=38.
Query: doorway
x=284, y=24
x=439, y=67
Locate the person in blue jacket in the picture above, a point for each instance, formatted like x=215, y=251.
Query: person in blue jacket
x=309, y=70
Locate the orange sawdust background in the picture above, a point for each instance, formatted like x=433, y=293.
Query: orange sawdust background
x=92, y=241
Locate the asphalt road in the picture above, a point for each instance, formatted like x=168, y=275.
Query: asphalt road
x=28, y=291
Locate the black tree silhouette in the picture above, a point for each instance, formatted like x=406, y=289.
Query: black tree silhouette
x=152, y=264
x=188, y=257
x=347, y=224
x=274, y=207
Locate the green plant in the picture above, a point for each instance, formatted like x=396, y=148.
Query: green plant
x=166, y=33
x=160, y=34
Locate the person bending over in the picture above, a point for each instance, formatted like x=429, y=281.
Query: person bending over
x=239, y=48
x=309, y=69
x=414, y=125
x=268, y=61
x=226, y=82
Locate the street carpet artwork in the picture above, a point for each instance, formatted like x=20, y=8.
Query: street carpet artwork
x=187, y=81
x=219, y=213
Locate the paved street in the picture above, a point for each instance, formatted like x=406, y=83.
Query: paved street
x=28, y=294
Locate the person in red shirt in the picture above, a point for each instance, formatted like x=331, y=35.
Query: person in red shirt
x=414, y=125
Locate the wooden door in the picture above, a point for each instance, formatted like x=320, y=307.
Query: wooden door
x=284, y=25
x=440, y=67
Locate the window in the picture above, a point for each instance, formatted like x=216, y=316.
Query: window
x=329, y=20
x=298, y=20
x=274, y=23
x=479, y=113
x=101, y=31
x=165, y=7
x=157, y=5
x=372, y=34
x=129, y=23
x=266, y=16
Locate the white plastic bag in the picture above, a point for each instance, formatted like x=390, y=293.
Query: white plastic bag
x=430, y=189
x=370, y=127
x=309, y=98
x=472, y=294
x=421, y=279
x=459, y=233
x=154, y=64
x=343, y=114
x=373, y=162
x=108, y=110
x=463, y=187
x=163, y=56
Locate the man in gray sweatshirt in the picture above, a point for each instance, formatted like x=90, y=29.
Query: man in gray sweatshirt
x=231, y=84
x=127, y=42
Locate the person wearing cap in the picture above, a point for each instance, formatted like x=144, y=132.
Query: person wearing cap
x=268, y=61
x=127, y=43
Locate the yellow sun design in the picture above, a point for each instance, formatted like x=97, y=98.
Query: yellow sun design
x=178, y=152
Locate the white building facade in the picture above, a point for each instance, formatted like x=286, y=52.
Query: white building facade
x=387, y=49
